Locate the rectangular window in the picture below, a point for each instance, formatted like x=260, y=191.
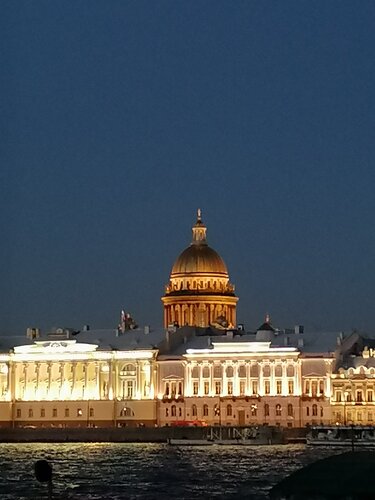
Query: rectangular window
x=195, y=388
x=129, y=389
x=314, y=389
x=307, y=387
x=242, y=387
x=307, y=411
x=370, y=416
x=321, y=387
x=54, y=412
x=359, y=416
x=349, y=415
x=67, y=412
x=180, y=412
x=254, y=387
x=338, y=396
x=18, y=413
x=290, y=387
x=173, y=389
x=254, y=410
x=267, y=387
x=278, y=386
x=91, y=412
x=30, y=413
x=42, y=413
x=79, y=412
x=230, y=388
x=217, y=388
x=206, y=388
x=359, y=396
x=370, y=396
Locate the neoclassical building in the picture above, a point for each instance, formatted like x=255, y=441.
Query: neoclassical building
x=199, y=292
x=197, y=370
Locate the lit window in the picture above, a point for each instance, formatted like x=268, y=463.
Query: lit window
x=195, y=388
x=278, y=410
x=253, y=410
x=229, y=410
x=242, y=387
x=254, y=387
x=205, y=410
x=230, y=388
x=217, y=388
x=290, y=387
x=278, y=387
x=18, y=413
x=91, y=412
x=267, y=387
x=216, y=410
x=206, y=388
x=79, y=412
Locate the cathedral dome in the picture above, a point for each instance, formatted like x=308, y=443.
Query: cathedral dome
x=199, y=259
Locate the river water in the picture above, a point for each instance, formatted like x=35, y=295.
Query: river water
x=149, y=471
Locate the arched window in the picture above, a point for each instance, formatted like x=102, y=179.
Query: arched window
x=266, y=410
x=229, y=410
x=290, y=410
x=218, y=371
x=229, y=371
x=194, y=410
x=314, y=410
x=242, y=371
x=173, y=410
x=321, y=411
x=206, y=372
x=278, y=410
x=266, y=371
x=254, y=371
x=125, y=412
x=195, y=372
x=128, y=369
x=205, y=410
x=290, y=371
x=167, y=412
x=278, y=371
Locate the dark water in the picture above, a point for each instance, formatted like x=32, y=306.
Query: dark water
x=147, y=471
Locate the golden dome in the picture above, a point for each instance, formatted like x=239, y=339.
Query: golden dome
x=199, y=258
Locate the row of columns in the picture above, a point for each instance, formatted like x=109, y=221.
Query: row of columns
x=198, y=314
x=236, y=379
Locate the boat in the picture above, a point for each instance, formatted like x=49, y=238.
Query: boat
x=229, y=436
x=341, y=435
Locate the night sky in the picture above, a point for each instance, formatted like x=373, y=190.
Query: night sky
x=120, y=118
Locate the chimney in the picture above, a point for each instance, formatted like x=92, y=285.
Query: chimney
x=146, y=329
x=298, y=329
x=33, y=333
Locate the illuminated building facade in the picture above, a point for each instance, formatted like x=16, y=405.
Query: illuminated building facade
x=198, y=370
x=199, y=292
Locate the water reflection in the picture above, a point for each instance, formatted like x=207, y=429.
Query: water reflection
x=149, y=471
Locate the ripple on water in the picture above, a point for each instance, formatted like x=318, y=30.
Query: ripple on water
x=149, y=471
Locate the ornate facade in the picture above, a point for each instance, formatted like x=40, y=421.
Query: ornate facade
x=199, y=292
x=198, y=370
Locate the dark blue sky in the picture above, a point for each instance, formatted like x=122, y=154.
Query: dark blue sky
x=119, y=119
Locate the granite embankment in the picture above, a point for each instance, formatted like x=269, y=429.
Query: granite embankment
x=127, y=434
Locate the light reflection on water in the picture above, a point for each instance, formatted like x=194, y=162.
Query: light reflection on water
x=149, y=471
